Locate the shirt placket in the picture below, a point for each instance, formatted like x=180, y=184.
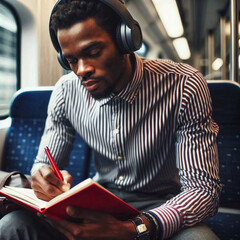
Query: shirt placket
x=116, y=139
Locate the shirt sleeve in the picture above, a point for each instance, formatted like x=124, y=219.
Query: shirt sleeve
x=197, y=162
x=58, y=134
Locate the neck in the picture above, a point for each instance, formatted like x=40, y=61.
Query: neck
x=127, y=72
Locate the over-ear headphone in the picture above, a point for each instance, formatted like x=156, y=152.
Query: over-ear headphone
x=128, y=32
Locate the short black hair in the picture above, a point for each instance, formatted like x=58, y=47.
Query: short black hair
x=68, y=13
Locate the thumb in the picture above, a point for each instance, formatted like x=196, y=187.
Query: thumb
x=73, y=211
x=67, y=177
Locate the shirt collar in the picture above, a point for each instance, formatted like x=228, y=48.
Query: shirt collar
x=130, y=92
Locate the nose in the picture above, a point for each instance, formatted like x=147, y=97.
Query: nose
x=85, y=69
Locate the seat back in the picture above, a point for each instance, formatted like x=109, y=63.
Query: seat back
x=226, y=112
x=28, y=113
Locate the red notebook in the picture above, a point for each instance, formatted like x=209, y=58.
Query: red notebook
x=87, y=194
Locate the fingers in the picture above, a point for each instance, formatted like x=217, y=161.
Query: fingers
x=47, y=185
x=75, y=212
x=69, y=229
x=93, y=225
x=86, y=215
x=61, y=227
x=67, y=177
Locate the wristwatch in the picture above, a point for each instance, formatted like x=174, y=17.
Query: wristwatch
x=142, y=232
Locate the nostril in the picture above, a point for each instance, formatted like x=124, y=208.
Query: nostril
x=85, y=70
x=86, y=76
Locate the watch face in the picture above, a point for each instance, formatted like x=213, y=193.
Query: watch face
x=141, y=228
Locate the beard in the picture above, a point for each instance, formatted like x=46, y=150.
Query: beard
x=104, y=94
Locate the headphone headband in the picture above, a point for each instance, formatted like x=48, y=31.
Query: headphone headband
x=121, y=10
x=128, y=33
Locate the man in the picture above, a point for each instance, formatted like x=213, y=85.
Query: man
x=145, y=119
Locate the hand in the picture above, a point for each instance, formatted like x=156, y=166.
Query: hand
x=47, y=185
x=93, y=225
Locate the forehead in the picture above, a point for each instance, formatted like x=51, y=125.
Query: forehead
x=81, y=33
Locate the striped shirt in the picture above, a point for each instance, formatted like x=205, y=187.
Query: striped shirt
x=159, y=126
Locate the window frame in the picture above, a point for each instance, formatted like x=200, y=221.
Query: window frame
x=18, y=47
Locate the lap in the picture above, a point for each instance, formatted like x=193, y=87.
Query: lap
x=198, y=232
x=25, y=225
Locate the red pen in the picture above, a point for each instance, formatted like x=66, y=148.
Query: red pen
x=54, y=165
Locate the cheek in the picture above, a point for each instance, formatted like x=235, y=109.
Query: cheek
x=114, y=66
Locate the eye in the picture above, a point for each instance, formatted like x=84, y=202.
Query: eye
x=94, y=53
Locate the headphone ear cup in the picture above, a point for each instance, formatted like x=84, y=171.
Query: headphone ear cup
x=120, y=41
x=63, y=62
x=135, y=37
x=129, y=39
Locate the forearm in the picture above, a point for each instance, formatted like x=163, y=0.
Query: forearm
x=59, y=133
x=185, y=210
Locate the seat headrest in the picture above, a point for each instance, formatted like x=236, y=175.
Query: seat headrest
x=226, y=101
x=31, y=103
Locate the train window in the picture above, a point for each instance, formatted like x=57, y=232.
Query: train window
x=9, y=57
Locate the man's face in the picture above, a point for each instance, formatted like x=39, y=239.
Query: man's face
x=94, y=58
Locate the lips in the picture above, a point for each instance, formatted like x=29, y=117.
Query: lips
x=91, y=85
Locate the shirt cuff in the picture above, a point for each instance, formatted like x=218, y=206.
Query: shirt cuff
x=169, y=220
x=36, y=166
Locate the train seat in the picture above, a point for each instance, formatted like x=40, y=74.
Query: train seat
x=28, y=113
x=226, y=112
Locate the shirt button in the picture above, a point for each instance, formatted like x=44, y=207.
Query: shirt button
x=120, y=158
x=116, y=131
x=121, y=178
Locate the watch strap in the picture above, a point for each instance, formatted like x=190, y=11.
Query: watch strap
x=142, y=232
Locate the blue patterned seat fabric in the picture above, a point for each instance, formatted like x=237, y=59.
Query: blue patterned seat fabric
x=21, y=144
x=225, y=225
x=28, y=113
x=226, y=112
